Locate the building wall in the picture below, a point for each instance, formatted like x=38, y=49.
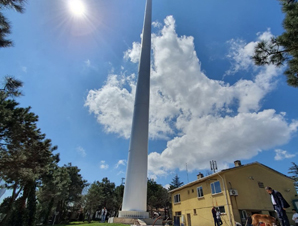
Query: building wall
x=252, y=197
x=199, y=208
x=249, y=181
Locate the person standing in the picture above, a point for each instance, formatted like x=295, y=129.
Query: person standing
x=279, y=205
x=218, y=217
x=249, y=221
x=216, y=222
x=295, y=217
x=103, y=214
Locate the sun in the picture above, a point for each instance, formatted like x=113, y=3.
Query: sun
x=77, y=8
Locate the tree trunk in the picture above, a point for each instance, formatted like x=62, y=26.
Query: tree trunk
x=21, y=218
x=31, y=205
x=59, y=211
x=45, y=221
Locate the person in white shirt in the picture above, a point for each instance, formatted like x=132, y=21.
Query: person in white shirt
x=295, y=217
x=279, y=205
x=218, y=217
x=103, y=214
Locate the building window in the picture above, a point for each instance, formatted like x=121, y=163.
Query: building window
x=178, y=213
x=192, y=190
x=194, y=211
x=215, y=187
x=261, y=184
x=177, y=198
x=200, y=191
x=222, y=209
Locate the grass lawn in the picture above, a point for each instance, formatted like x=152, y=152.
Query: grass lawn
x=93, y=223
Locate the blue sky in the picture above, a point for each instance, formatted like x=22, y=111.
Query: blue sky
x=208, y=100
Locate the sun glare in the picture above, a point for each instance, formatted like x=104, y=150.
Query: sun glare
x=77, y=8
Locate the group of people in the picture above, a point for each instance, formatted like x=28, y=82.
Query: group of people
x=279, y=205
x=216, y=216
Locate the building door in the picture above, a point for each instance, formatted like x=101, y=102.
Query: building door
x=176, y=220
x=188, y=220
x=243, y=216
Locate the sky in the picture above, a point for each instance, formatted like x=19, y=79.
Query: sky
x=208, y=100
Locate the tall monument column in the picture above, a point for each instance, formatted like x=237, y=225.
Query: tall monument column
x=135, y=191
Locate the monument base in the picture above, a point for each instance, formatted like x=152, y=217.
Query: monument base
x=117, y=220
x=136, y=222
x=134, y=214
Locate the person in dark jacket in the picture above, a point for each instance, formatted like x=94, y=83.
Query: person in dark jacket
x=279, y=205
x=249, y=221
x=216, y=222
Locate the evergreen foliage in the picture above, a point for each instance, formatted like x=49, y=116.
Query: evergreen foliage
x=175, y=183
x=119, y=192
x=17, y=5
x=157, y=196
x=103, y=194
x=61, y=187
x=25, y=153
x=27, y=162
x=294, y=171
x=284, y=48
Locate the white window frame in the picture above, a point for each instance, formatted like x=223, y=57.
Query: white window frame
x=201, y=193
x=213, y=191
x=179, y=200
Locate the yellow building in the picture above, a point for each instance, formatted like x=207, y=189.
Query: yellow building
x=237, y=192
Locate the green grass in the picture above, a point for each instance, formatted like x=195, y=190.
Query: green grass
x=93, y=223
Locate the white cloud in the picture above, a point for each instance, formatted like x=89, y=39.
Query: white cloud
x=24, y=69
x=88, y=63
x=121, y=172
x=166, y=186
x=103, y=165
x=152, y=177
x=113, y=105
x=224, y=138
x=156, y=24
x=267, y=35
x=134, y=53
x=120, y=162
x=88, y=66
x=240, y=55
x=240, y=52
x=282, y=154
x=202, y=118
x=81, y=151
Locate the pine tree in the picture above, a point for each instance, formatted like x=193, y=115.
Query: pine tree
x=294, y=171
x=175, y=183
x=60, y=186
x=25, y=154
x=157, y=196
x=284, y=48
x=17, y=5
